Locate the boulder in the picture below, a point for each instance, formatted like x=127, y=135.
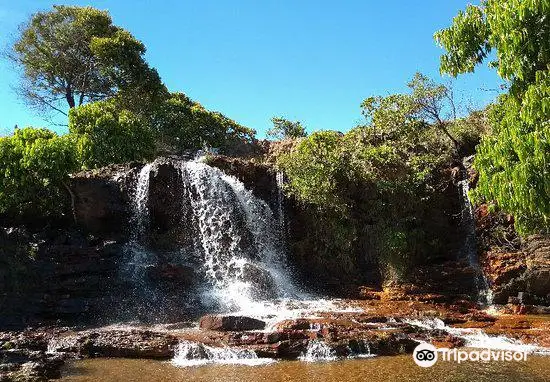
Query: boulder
x=230, y=323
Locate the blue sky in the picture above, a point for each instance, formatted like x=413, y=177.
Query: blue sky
x=314, y=61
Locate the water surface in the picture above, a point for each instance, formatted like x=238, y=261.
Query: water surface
x=377, y=369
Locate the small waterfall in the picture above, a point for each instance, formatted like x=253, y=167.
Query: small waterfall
x=280, y=178
x=318, y=351
x=232, y=239
x=137, y=257
x=470, y=247
x=196, y=354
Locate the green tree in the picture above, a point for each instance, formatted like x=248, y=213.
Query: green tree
x=107, y=134
x=514, y=161
x=283, y=128
x=182, y=123
x=72, y=55
x=427, y=104
x=34, y=168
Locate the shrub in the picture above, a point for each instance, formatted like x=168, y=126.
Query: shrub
x=34, y=166
x=106, y=135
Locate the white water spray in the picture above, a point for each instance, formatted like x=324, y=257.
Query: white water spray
x=196, y=354
x=138, y=256
x=477, y=338
x=238, y=237
x=318, y=351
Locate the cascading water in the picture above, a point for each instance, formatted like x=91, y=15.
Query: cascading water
x=138, y=257
x=238, y=237
x=280, y=178
x=470, y=248
x=477, y=338
x=318, y=351
x=195, y=354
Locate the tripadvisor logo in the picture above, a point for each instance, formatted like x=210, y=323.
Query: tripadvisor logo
x=426, y=355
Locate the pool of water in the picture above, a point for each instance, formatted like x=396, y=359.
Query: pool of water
x=376, y=369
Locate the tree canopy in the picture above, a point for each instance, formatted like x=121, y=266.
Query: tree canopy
x=283, y=128
x=73, y=55
x=181, y=123
x=514, y=161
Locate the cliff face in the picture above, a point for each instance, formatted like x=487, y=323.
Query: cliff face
x=72, y=272
x=517, y=269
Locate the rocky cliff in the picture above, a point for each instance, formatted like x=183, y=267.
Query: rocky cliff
x=72, y=271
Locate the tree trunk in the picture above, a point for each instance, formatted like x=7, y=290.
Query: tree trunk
x=70, y=96
x=71, y=193
x=446, y=132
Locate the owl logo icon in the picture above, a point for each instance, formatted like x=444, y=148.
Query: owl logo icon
x=425, y=355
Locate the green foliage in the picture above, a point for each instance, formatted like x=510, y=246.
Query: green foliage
x=182, y=123
x=106, y=134
x=514, y=161
x=376, y=180
x=34, y=164
x=518, y=30
x=466, y=42
x=314, y=167
x=76, y=55
x=425, y=106
x=283, y=128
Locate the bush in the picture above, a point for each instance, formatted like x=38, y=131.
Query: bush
x=106, y=135
x=183, y=124
x=514, y=161
x=34, y=166
x=369, y=185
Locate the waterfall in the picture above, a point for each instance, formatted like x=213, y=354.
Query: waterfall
x=470, y=247
x=238, y=237
x=280, y=178
x=233, y=242
x=137, y=257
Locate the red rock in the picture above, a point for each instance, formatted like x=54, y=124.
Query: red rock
x=230, y=323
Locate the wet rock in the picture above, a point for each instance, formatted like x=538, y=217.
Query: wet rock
x=100, y=201
x=173, y=273
x=230, y=323
x=368, y=293
x=290, y=349
x=290, y=325
x=129, y=344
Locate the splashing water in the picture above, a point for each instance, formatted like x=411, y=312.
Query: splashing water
x=318, y=351
x=280, y=178
x=196, y=354
x=476, y=338
x=238, y=237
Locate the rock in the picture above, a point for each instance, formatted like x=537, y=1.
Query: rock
x=230, y=323
x=289, y=325
x=525, y=270
x=264, y=285
x=368, y=293
x=100, y=201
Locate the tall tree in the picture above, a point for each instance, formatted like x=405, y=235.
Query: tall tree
x=427, y=104
x=514, y=161
x=72, y=55
x=283, y=128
